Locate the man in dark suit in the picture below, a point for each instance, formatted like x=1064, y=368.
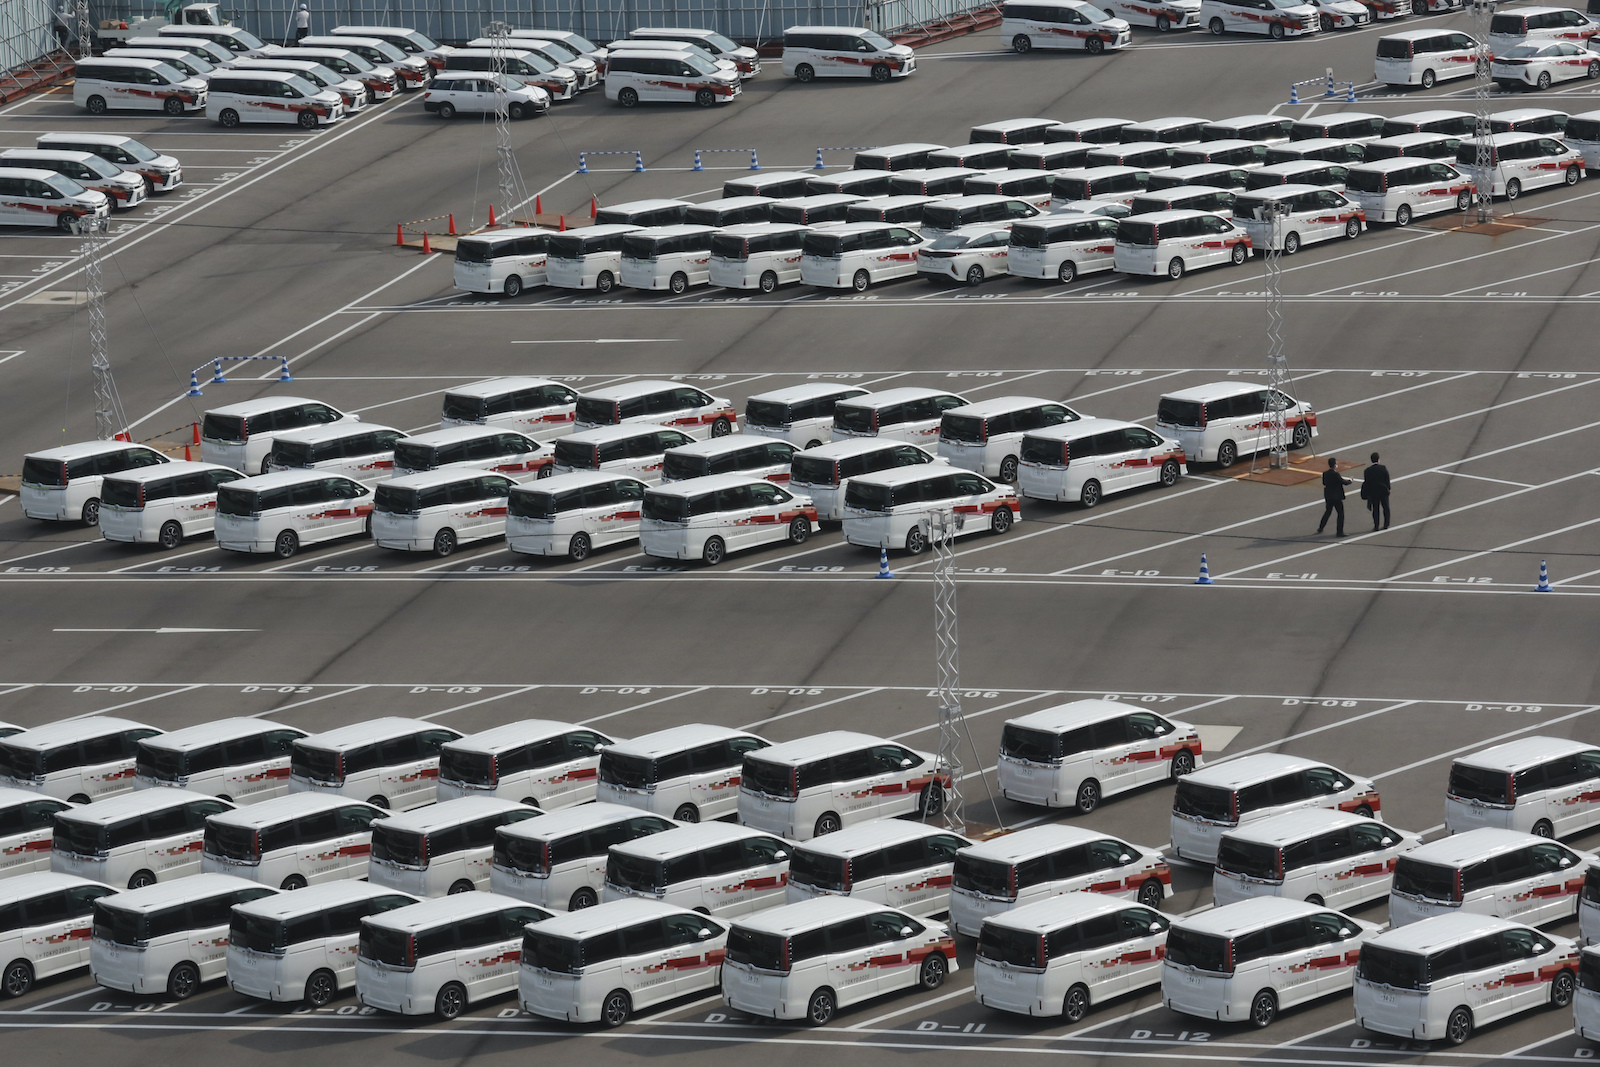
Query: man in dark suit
x=1375, y=491
x=1333, y=496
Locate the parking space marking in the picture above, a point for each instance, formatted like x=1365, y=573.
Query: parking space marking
x=1308, y=733
x=301, y=703
x=485, y=700
x=1520, y=246
x=641, y=707
x=132, y=703
x=964, y=991
x=812, y=707
x=1487, y=742
x=1498, y=548
x=1481, y=478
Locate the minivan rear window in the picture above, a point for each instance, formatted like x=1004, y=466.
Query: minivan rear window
x=44, y=471
x=1203, y=801
x=755, y=948
x=815, y=869
x=1392, y=49
x=1249, y=858
x=1203, y=952
x=853, y=417
x=596, y=411
x=989, y=877
x=1035, y=746
x=1385, y=966
x=1179, y=412
x=1019, y=948
x=1481, y=784
x=230, y=428
x=1431, y=881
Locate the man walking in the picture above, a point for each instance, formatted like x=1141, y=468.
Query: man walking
x=302, y=24
x=1375, y=491
x=1333, y=496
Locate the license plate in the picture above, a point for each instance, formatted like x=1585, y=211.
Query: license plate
x=1192, y=979
x=1387, y=998
x=1007, y=977
x=544, y=981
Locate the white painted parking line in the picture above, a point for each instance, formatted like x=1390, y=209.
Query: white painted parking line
x=1391, y=393
x=485, y=700
x=1124, y=1017
x=1270, y=745
x=969, y=716
x=162, y=559
x=641, y=707
x=1519, y=246
x=46, y=552
x=1498, y=548
x=362, y=547
x=965, y=991
x=810, y=708
x=1582, y=264
x=132, y=703
x=1481, y=478
x=310, y=700
x=1487, y=742
x=59, y=1000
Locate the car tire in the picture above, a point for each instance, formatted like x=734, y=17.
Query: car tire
x=616, y=1009
x=1542, y=828
x=1594, y=70
x=1163, y=24
x=1544, y=80
x=1066, y=272
x=183, y=981
x=935, y=969
x=1088, y=797
x=451, y=1002
x=379, y=802
x=1089, y=495
x=141, y=878
x=1263, y=1009
x=721, y=428
x=604, y=282
x=686, y=813
x=678, y=283
x=444, y=543
x=1302, y=434
x=321, y=987
x=1352, y=229
x=1075, y=1005
x=714, y=552
x=18, y=978
x=583, y=898
x=1458, y=1028
x=705, y=98
x=827, y=823
x=1315, y=900
x=447, y=110
x=804, y=73
x=1151, y=894
x=821, y=1007
x=1094, y=46
x=1513, y=189
x=916, y=541
x=1291, y=243
x=579, y=547
x=293, y=882
x=880, y=73
x=1561, y=989
x=799, y=530
x=930, y=805
x=1573, y=174
x=1175, y=269
x=1402, y=215
x=308, y=120
x=228, y=117
x=170, y=536
x=460, y=886
x=514, y=111
x=1428, y=79
x=975, y=275
x=1182, y=763
x=1216, y=27
x=96, y=105
x=769, y=281
x=860, y=281
x=1001, y=523
x=172, y=106
x=1364, y=811
x=1463, y=201
x=1275, y=31
x=628, y=97
x=1022, y=44
x=513, y=286
x=286, y=544
x=78, y=798
x=1171, y=471
x=1227, y=454
x=1327, y=24
x=546, y=471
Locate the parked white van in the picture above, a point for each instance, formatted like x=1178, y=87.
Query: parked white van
x=169, y=938
x=641, y=213
x=234, y=97
x=495, y=449
x=241, y=435
x=439, y=511
x=1076, y=754
x=1441, y=979
x=1176, y=242
x=739, y=454
x=1084, y=461
x=1039, y=862
x=912, y=414
x=1547, y=786
x=1220, y=421
x=559, y=861
x=135, y=839
x=442, y=849
x=1310, y=214
x=502, y=261
x=590, y=258
x=807, y=960
x=389, y=762
x=605, y=964
x=758, y=255
x=278, y=513
x=1583, y=133
x=301, y=947
x=1505, y=873
x=799, y=414
x=48, y=927
x=1524, y=161
x=123, y=188
x=1326, y=857
x=670, y=404
x=292, y=841
x=1214, y=801
x=1059, y=957
x=1589, y=907
x=691, y=771
x=903, y=864
x=63, y=484
x=1586, y=1003
x=1061, y=247
x=890, y=508
x=541, y=763
x=27, y=826
x=1248, y=961
x=361, y=452
x=818, y=785
x=161, y=504
x=843, y=52
x=823, y=472
x=985, y=436
x=666, y=257
x=573, y=514
x=100, y=85
x=856, y=255
x=75, y=759
x=1114, y=184
x=238, y=760
x=731, y=211
x=441, y=956
x=746, y=59
x=713, y=868
x=706, y=518
x=632, y=450
x=1402, y=188
x=1275, y=18
x=668, y=76
x=161, y=173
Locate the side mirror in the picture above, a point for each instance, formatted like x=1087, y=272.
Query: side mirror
x=1125, y=858
x=780, y=855
x=703, y=933
x=905, y=763
x=1566, y=861
x=905, y=931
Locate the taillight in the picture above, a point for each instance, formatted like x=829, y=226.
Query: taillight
x=1227, y=958
x=1202, y=414
x=1233, y=805
x=983, y=434
x=1278, y=853
x=1042, y=953
x=1511, y=788
x=255, y=844
x=874, y=420
x=411, y=950
x=424, y=856
x=244, y=429
x=836, y=472
x=340, y=767
x=1011, y=879
x=494, y=770
x=62, y=480
x=141, y=495
x=616, y=411
x=1066, y=453
x=1458, y=894
x=846, y=882
x=595, y=461
x=794, y=789
x=785, y=956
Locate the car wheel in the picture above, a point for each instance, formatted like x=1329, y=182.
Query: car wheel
x=880, y=73
x=1544, y=80
x=1352, y=229
x=1513, y=189
x=308, y=120
x=679, y=282
x=820, y=1009
x=451, y=1001
x=1163, y=24
x=579, y=547
x=1170, y=472
x=860, y=280
x=1215, y=26
x=1275, y=31
x=714, y=552
x=1594, y=70
x=513, y=286
x=931, y=804
x=1561, y=989
x=1463, y=201
x=461, y=886
x=604, y=282
x=228, y=117
x=1088, y=796
x=1076, y=1004
x=1364, y=811
x=627, y=97
x=1066, y=272
x=293, y=882
x=1182, y=763
x=97, y=105
x=1227, y=454
x=286, y=544
x=1263, y=1009
x=705, y=98
x=1459, y=1026
x=1327, y=24
x=686, y=813
x=721, y=428
x=1151, y=893
x=320, y=988
x=1291, y=243
x=1402, y=215
x=1573, y=174
x=583, y=898
x=1428, y=79
x=813, y=444
x=171, y=535
x=78, y=798
x=975, y=275
x=444, y=543
x=90, y=515
x=18, y=978
x=827, y=823
x=1094, y=46
x=799, y=530
x=1008, y=469
x=916, y=541
x=1175, y=269
x=1542, y=828
x=172, y=106
x=1302, y=434
x=769, y=281
x=514, y=111
x=616, y=1008
x=183, y=981
x=1089, y=495
x=379, y=802
x=140, y=879
x=1315, y=900
x=934, y=971
x=1001, y=521
x=1022, y=43
x=804, y=73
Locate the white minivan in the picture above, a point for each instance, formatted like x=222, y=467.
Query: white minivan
x=590, y=258
x=442, y=849
x=167, y=939
x=361, y=452
x=1039, y=862
x=690, y=772
x=279, y=513
x=1059, y=957
x=666, y=257
x=63, y=484
x=811, y=52
x=757, y=255
x=541, y=763
x=1505, y=873
x=1248, y=961
x=536, y=407
x=823, y=472
x=608, y=962
x=238, y=760
x=495, y=449
x=984, y=436
x=389, y=762
x=443, y=955
x=1214, y=801
x=301, y=947
x=633, y=451
x=1220, y=421
x=713, y=868
x=100, y=85
x=1275, y=18
x=670, y=404
x=161, y=504
x=124, y=188
x=1548, y=786
x=857, y=255
x=668, y=75
x=903, y=864
x=241, y=435
x=1524, y=161
x=799, y=414
x=1309, y=214
x=1030, y=24
x=502, y=262
x=807, y=960
x=162, y=174
x=910, y=413
x=892, y=508
x=48, y=927
x=1441, y=979
x=136, y=839
x=27, y=826
x=1061, y=247
x=818, y=785
x=559, y=861
x=1084, y=461
x=1076, y=754
x=1327, y=857
x=742, y=454
x=573, y=514
x=236, y=97
x=75, y=759
x=440, y=510
x=292, y=841
x=1400, y=189
x=1176, y=242
x=707, y=518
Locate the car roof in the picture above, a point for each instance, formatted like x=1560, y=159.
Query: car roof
x=171, y=469
x=1246, y=120
x=706, y=484
x=717, y=446
x=1071, y=431
x=180, y=891
x=1315, y=144
x=855, y=446
x=743, y=200
x=824, y=29
x=911, y=472
x=1169, y=121
x=39, y=174
x=1189, y=170
x=449, y=813
x=1280, y=830
x=770, y=177
x=684, y=839
x=1167, y=216
x=210, y=733
x=1214, y=391
x=1440, y=931
x=315, y=898
x=1516, y=114
x=1220, y=144
x=646, y=205
x=575, y=820
x=603, y=918
x=899, y=199
x=274, y=60
x=789, y=919
x=1140, y=146
x=1384, y=166
x=1523, y=753
x=259, y=405
x=334, y=39
x=1337, y=116
x=461, y=433
x=999, y=405
x=629, y=390
x=10, y=797
x=277, y=479
x=677, y=229
x=854, y=175
x=1091, y=173
x=933, y=173
x=621, y=431
x=575, y=480
x=1179, y=192
x=1242, y=916
x=510, y=233
x=1287, y=189
x=70, y=730
x=849, y=229
x=1077, y=713
x=894, y=396
x=1033, y=841
x=1406, y=140
x=331, y=431
x=1092, y=124
x=809, y=391
x=1248, y=769
x=1432, y=115
x=1458, y=850
x=816, y=746
x=1415, y=35
x=975, y=200
x=447, y=909
x=281, y=809
x=904, y=148
x=113, y=139
x=511, y=734
x=821, y=199
x=606, y=229
x=270, y=75
x=49, y=153
x=1057, y=911
x=979, y=229
x=676, y=739
x=361, y=733
x=1015, y=124
x=442, y=476
x=1515, y=137
x=146, y=63
x=1535, y=10
x=873, y=834
x=24, y=886
x=128, y=805
x=1295, y=166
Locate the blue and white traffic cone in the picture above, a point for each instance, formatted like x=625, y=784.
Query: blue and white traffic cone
x=638, y=162
x=1331, y=90
x=216, y=374
x=1544, y=579
x=883, y=564
x=1350, y=93
x=820, y=165
x=754, y=163
x=1205, y=572
x=697, y=164
x=194, y=385
x=583, y=164
x=1294, y=96
x=283, y=370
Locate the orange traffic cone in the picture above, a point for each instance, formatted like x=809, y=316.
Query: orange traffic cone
x=399, y=236
x=594, y=207
x=563, y=223
x=196, y=432
x=427, y=249
x=491, y=214
x=452, y=224
x=538, y=206
x=186, y=455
